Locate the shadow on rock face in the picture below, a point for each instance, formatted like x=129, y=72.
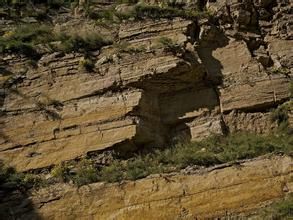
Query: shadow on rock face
x=15, y=202
x=181, y=103
x=212, y=39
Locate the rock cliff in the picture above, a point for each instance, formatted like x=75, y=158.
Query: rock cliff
x=219, y=79
x=160, y=81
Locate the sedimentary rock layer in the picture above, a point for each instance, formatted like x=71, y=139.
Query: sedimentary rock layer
x=220, y=191
x=162, y=81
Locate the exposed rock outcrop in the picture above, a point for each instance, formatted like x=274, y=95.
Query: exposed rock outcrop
x=223, y=191
x=215, y=77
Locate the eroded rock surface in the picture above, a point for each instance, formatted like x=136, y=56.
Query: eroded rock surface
x=223, y=191
x=224, y=74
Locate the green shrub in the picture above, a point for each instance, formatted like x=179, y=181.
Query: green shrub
x=33, y=33
x=282, y=209
x=241, y=146
x=137, y=168
x=113, y=172
x=150, y=11
x=170, y=45
x=111, y=15
x=80, y=173
x=87, y=64
x=281, y=70
x=85, y=173
x=165, y=41
x=25, y=38
x=8, y=175
x=61, y=172
x=211, y=151
x=156, y=12
x=208, y=152
x=77, y=43
x=32, y=180
x=280, y=114
x=16, y=46
x=125, y=47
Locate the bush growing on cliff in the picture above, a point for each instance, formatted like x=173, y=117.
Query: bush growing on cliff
x=87, y=64
x=25, y=38
x=10, y=179
x=282, y=209
x=113, y=172
x=280, y=115
x=142, y=11
x=61, y=172
x=138, y=168
x=125, y=47
x=209, y=152
x=282, y=70
x=80, y=173
x=155, y=12
x=85, y=173
x=170, y=45
x=81, y=43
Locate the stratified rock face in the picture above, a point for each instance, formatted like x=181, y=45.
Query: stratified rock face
x=218, y=80
x=206, y=194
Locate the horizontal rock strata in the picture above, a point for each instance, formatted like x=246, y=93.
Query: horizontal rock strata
x=209, y=78
x=224, y=191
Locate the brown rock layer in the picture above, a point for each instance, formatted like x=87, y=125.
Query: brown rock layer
x=223, y=191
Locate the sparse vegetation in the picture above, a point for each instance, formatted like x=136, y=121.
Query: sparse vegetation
x=107, y=14
x=155, y=12
x=209, y=152
x=38, y=9
x=85, y=173
x=282, y=70
x=170, y=45
x=280, y=114
x=11, y=179
x=282, y=209
x=25, y=38
x=112, y=173
x=127, y=48
x=212, y=151
x=142, y=11
x=81, y=43
x=87, y=64
x=61, y=172
x=80, y=173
